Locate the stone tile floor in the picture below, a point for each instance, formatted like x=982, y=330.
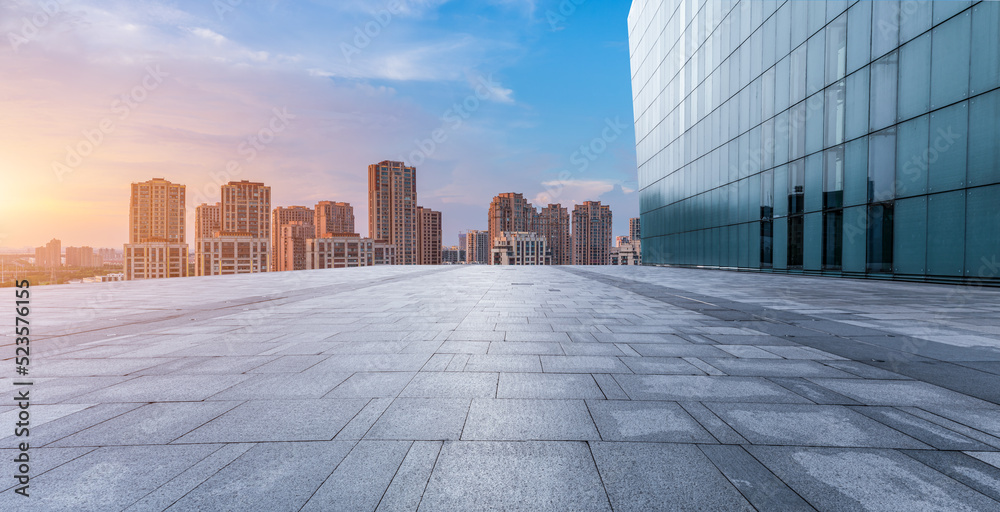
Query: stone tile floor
x=488, y=388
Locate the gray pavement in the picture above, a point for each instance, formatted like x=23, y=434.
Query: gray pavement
x=489, y=388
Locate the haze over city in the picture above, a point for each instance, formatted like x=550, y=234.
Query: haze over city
x=502, y=96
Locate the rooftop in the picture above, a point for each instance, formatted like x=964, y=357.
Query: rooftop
x=531, y=388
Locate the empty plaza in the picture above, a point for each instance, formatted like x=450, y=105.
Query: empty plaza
x=510, y=388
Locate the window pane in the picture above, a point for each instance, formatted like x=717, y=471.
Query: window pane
x=796, y=187
x=885, y=27
x=767, y=144
x=797, y=131
x=853, y=239
x=836, y=49
x=982, y=237
x=945, y=10
x=781, y=129
x=766, y=237
x=856, y=172
x=780, y=181
x=859, y=24
x=880, y=237
x=949, y=139
x=797, y=75
x=916, y=19
x=814, y=182
x=984, y=132
x=815, y=62
x=781, y=84
x=946, y=234
x=835, y=114
x=883, y=91
x=814, y=123
x=812, y=242
x=796, y=231
x=833, y=178
x=800, y=23
x=910, y=235
x=857, y=104
x=911, y=157
x=882, y=165
x=986, y=34
x=781, y=245
x=782, y=29
x=833, y=240
x=949, y=75
x=914, y=73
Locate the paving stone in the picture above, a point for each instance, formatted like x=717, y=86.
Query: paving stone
x=841, y=478
x=238, y=389
x=503, y=363
x=452, y=385
x=107, y=478
x=775, y=368
x=703, y=388
x=660, y=366
x=371, y=385
x=516, y=476
x=427, y=419
x=899, y=393
x=583, y=364
x=535, y=420
x=660, y=476
x=758, y=485
x=622, y=420
x=361, y=479
x=407, y=486
x=293, y=471
x=287, y=420
x=535, y=385
x=157, y=423
x=809, y=425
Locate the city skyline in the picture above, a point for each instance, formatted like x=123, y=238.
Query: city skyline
x=211, y=98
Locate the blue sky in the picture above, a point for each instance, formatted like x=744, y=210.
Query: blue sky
x=533, y=82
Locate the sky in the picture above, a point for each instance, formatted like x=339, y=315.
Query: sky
x=483, y=97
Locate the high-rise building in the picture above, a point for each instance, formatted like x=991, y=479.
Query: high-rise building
x=207, y=223
x=462, y=241
x=520, y=248
x=49, y=255
x=392, y=208
x=242, y=244
x=628, y=252
x=634, y=230
x=554, y=225
x=334, y=218
x=478, y=247
x=510, y=211
x=207, y=220
x=289, y=251
x=591, y=233
x=428, y=236
x=453, y=255
x=83, y=257
x=157, y=245
x=347, y=251
x=850, y=138
x=303, y=218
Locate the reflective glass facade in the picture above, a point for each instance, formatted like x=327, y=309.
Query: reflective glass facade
x=837, y=137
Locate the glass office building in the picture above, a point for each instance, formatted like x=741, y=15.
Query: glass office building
x=823, y=137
